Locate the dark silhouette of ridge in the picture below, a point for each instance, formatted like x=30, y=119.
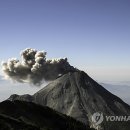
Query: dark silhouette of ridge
x=21, y=115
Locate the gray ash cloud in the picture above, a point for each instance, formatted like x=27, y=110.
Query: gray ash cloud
x=35, y=68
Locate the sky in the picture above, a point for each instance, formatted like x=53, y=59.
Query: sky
x=93, y=34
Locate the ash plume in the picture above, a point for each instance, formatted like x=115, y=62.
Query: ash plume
x=35, y=68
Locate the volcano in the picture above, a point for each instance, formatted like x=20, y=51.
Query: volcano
x=79, y=96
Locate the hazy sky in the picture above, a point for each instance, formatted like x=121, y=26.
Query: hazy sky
x=93, y=34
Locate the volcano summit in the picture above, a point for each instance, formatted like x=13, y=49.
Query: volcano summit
x=79, y=96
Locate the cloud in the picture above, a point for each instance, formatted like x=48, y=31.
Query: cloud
x=35, y=68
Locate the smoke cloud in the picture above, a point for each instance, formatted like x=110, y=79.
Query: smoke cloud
x=35, y=68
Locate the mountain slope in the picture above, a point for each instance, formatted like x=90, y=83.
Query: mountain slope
x=19, y=115
x=77, y=95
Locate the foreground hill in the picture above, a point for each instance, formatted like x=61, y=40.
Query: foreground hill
x=20, y=115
